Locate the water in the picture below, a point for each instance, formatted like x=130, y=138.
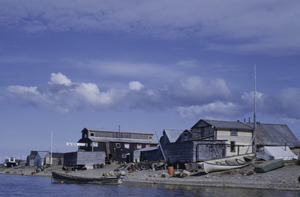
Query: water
x=14, y=185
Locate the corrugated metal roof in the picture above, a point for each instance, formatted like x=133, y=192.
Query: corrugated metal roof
x=275, y=135
x=125, y=140
x=173, y=135
x=266, y=134
x=115, y=131
x=218, y=124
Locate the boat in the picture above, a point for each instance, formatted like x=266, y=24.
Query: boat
x=267, y=166
x=63, y=177
x=228, y=163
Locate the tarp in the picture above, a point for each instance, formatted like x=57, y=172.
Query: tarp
x=276, y=152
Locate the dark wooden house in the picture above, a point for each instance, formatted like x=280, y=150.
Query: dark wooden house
x=118, y=146
x=182, y=147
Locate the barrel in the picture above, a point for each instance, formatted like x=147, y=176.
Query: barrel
x=171, y=170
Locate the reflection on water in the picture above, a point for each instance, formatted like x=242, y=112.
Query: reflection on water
x=13, y=185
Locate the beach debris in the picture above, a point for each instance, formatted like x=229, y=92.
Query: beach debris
x=185, y=173
x=191, y=167
x=165, y=175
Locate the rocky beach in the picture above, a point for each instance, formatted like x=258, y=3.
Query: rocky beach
x=285, y=178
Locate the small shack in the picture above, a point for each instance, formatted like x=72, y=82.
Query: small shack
x=87, y=159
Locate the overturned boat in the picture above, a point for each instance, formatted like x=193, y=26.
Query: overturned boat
x=228, y=163
x=62, y=177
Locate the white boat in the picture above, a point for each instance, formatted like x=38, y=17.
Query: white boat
x=228, y=163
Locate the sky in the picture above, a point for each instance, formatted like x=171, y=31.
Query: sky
x=143, y=66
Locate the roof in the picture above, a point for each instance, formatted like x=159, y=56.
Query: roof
x=58, y=155
x=125, y=140
x=172, y=134
x=115, y=131
x=266, y=134
x=219, y=124
x=148, y=149
x=42, y=154
x=275, y=135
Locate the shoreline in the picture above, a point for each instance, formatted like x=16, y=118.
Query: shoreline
x=285, y=178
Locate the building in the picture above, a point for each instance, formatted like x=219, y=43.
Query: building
x=57, y=158
x=181, y=147
x=118, y=146
x=239, y=135
x=81, y=159
x=41, y=158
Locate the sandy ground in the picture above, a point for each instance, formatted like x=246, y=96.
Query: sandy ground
x=285, y=178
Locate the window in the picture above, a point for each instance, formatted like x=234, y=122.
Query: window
x=95, y=144
x=127, y=146
x=232, y=146
x=139, y=146
x=150, y=137
x=92, y=134
x=118, y=145
x=234, y=132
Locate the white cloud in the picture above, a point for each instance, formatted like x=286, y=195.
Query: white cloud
x=23, y=90
x=60, y=79
x=249, y=97
x=196, y=89
x=135, y=85
x=215, y=109
x=91, y=93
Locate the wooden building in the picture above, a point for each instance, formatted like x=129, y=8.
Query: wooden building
x=118, y=146
x=239, y=135
x=57, y=158
x=85, y=159
x=181, y=147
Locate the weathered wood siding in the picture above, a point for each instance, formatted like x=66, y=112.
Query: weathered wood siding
x=180, y=152
x=242, y=141
x=87, y=159
x=210, y=150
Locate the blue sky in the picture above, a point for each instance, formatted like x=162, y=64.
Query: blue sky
x=143, y=65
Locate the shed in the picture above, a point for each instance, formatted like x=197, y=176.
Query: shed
x=148, y=154
x=84, y=159
x=39, y=159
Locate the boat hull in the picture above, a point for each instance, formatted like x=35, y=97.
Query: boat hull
x=228, y=163
x=67, y=178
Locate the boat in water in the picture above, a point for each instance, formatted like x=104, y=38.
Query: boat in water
x=228, y=163
x=62, y=177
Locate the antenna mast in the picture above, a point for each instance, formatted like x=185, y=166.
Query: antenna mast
x=254, y=127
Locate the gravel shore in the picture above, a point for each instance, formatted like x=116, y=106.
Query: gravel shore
x=285, y=178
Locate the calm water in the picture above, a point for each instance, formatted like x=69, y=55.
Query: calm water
x=14, y=185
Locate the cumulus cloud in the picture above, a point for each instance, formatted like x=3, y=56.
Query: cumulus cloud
x=64, y=97
x=191, y=97
x=135, y=85
x=60, y=79
x=216, y=109
x=195, y=89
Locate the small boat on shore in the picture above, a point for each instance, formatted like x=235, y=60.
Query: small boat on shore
x=228, y=163
x=59, y=177
x=267, y=166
